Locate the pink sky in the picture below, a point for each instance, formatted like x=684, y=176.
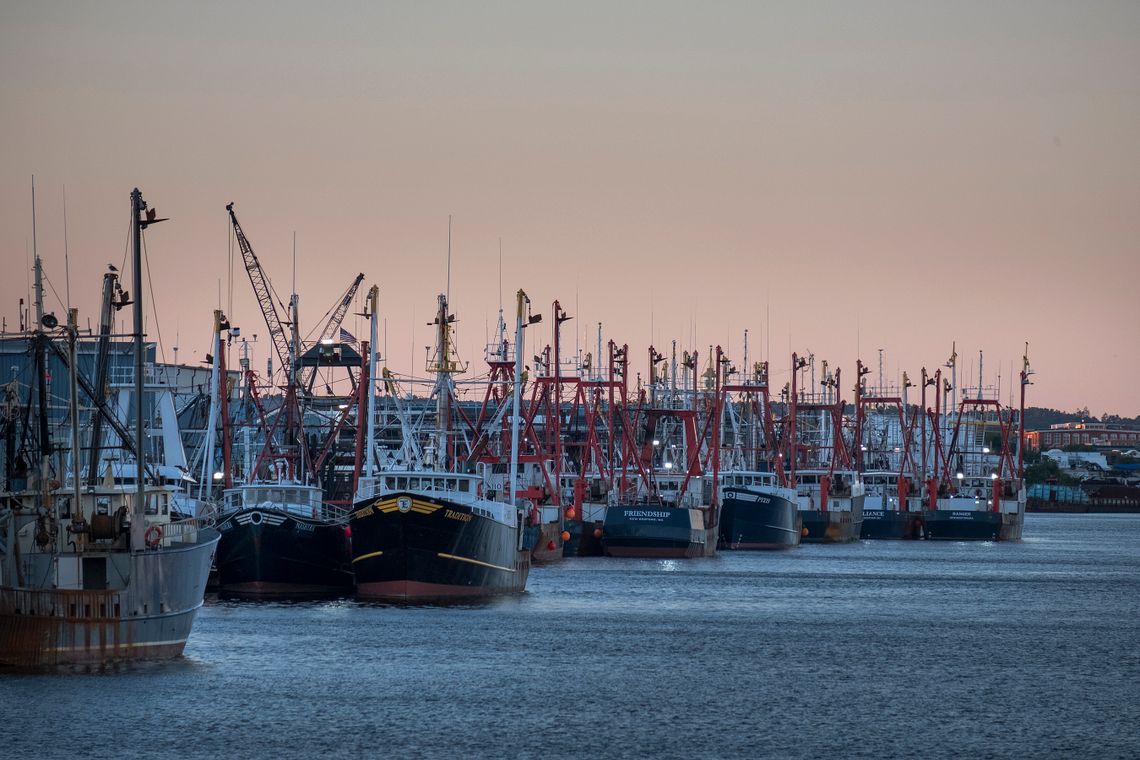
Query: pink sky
x=879, y=175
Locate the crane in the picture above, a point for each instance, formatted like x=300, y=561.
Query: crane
x=265, y=295
x=341, y=309
x=336, y=317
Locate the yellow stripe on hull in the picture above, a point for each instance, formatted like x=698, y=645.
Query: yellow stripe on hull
x=474, y=562
x=419, y=507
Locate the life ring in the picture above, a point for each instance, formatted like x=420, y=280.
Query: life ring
x=153, y=536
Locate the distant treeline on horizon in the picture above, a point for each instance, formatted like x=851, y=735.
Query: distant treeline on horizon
x=1039, y=417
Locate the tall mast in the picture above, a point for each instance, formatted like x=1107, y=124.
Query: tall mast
x=73, y=406
x=206, y=477
x=37, y=264
x=138, y=205
x=443, y=379
x=370, y=443
x=516, y=392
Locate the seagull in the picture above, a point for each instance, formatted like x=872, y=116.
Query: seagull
x=113, y=268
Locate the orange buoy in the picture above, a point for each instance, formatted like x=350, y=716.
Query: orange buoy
x=571, y=513
x=550, y=545
x=804, y=532
x=597, y=532
x=565, y=535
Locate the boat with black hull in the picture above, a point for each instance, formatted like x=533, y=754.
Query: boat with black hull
x=984, y=509
x=892, y=509
x=280, y=540
x=653, y=530
x=755, y=513
x=978, y=493
x=424, y=529
x=428, y=536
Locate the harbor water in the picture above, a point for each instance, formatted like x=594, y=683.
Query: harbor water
x=872, y=649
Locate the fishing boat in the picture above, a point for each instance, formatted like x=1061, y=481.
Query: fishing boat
x=654, y=530
x=831, y=505
x=426, y=535
x=829, y=490
x=424, y=529
x=278, y=536
x=662, y=496
x=280, y=540
x=757, y=513
x=92, y=576
x=758, y=508
x=892, y=507
x=978, y=490
x=884, y=441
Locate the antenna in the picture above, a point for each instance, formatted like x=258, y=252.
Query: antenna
x=66, y=259
x=448, y=291
x=36, y=261
x=500, y=265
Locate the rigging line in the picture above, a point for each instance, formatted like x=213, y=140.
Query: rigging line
x=153, y=303
x=127, y=244
x=47, y=279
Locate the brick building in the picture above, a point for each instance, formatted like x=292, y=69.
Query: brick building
x=1098, y=434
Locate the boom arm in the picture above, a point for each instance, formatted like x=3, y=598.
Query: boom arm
x=262, y=289
x=337, y=317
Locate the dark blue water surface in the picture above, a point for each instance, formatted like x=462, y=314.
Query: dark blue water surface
x=877, y=649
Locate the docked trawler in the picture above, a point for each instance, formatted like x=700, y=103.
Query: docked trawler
x=757, y=513
x=279, y=539
x=829, y=491
x=980, y=492
x=664, y=510
x=892, y=507
x=423, y=529
x=664, y=528
x=831, y=506
x=885, y=441
x=758, y=510
x=95, y=575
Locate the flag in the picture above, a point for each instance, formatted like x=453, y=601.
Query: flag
x=347, y=337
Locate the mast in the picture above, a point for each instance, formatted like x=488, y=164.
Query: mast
x=206, y=475
x=443, y=379
x=110, y=285
x=73, y=407
x=373, y=304
x=598, y=369
x=138, y=206
x=980, y=374
x=221, y=323
x=1025, y=373
x=521, y=320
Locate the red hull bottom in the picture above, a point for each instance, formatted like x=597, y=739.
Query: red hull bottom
x=417, y=591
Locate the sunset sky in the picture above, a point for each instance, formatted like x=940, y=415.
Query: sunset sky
x=873, y=174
